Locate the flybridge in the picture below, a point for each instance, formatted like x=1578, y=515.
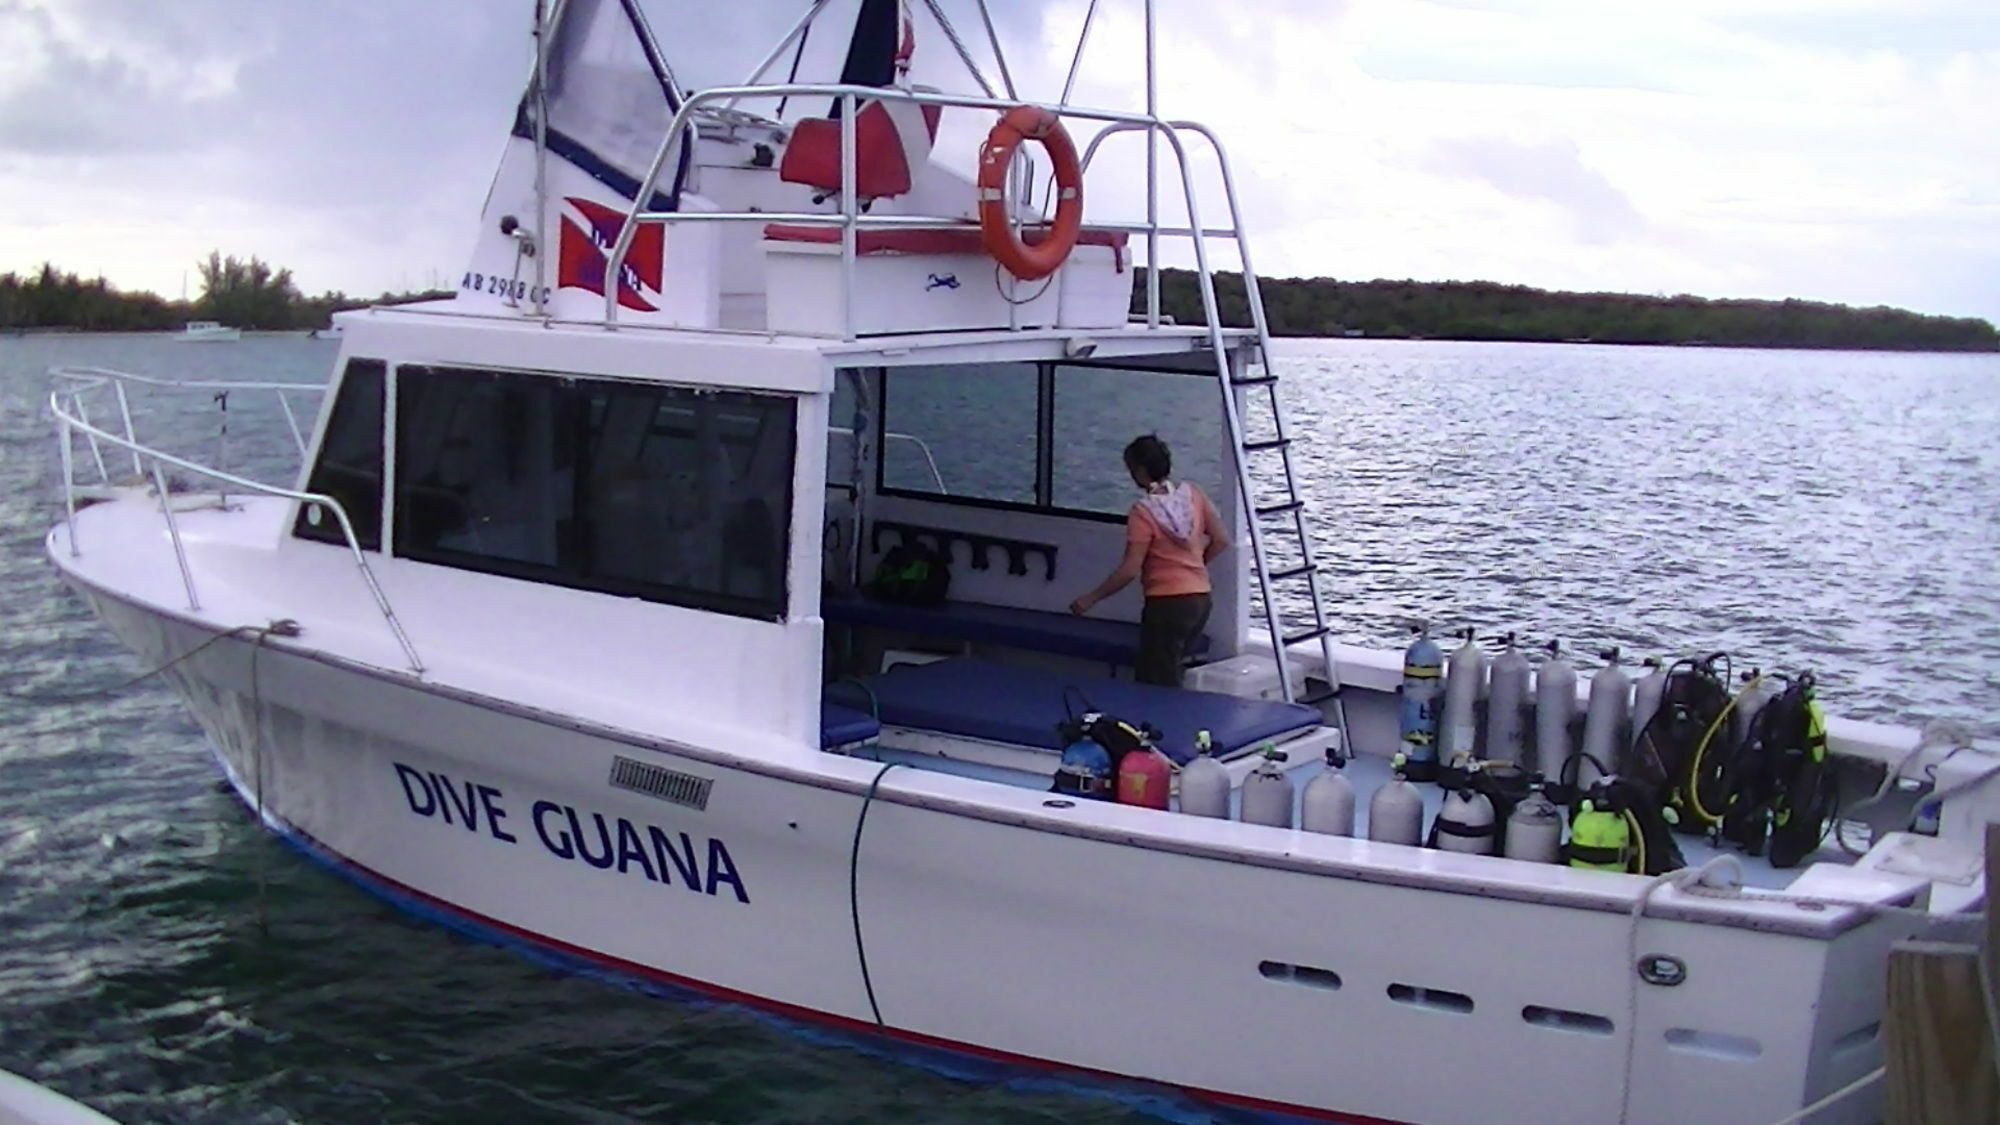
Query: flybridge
x=834, y=216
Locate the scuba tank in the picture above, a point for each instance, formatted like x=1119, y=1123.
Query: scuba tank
x=1555, y=713
x=1462, y=688
x=1535, y=829
x=1204, y=782
x=1144, y=778
x=1267, y=792
x=1758, y=690
x=1085, y=769
x=1507, y=705
x=1599, y=838
x=1327, y=805
x=1603, y=721
x=1423, y=669
x=1396, y=811
x=1647, y=691
x=1464, y=823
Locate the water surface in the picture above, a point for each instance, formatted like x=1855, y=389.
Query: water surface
x=164, y=961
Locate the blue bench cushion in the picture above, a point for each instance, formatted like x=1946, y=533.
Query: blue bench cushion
x=1091, y=638
x=1003, y=703
x=844, y=726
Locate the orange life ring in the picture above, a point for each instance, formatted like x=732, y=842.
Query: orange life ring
x=996, y=233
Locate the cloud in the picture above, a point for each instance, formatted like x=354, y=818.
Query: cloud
x=1551, y=171
x=1836, y=149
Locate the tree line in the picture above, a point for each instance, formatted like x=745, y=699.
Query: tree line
x=249, y=293
x=240, y=292
x=1481, y=310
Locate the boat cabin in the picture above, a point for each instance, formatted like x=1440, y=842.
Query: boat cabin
x=701, y=514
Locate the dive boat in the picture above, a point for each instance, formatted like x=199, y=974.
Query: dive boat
x=568, y=635
x=209, y=331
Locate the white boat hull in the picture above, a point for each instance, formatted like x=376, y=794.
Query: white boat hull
x=989, y=934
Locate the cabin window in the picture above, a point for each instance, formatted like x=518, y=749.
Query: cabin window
x=965, y=431
x=349, y=467
x=1099, y=409
x=671, y=494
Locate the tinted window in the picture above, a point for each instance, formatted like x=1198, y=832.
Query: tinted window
x=666, y=493
x=1099, y=410
x=974, y=422
x=349, y=468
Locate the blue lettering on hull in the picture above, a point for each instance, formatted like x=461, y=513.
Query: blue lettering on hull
x=641, y=851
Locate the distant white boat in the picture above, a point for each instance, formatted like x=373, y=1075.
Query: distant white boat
x=23, y=1101
x=209, y=330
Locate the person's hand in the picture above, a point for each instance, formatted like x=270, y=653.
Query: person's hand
x=1080, y=606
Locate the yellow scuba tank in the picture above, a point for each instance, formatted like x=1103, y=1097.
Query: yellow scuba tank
x=1600, y=839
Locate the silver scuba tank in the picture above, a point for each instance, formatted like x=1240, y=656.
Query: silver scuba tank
x=1396, y=811
x=1555, y=714
x=1647, y=691
x=1535, y=829
x=1463, y=676
x=1204, y=782
x=1758, y=690
x=1267, y=793
x=1327, y=804
x=1604, y=719
x=1507, y=705
x=1464, y=823
x=1423, y=684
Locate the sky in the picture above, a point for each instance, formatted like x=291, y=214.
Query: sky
x=1838, y=150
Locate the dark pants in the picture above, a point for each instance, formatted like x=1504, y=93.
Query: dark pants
x=1166, y=626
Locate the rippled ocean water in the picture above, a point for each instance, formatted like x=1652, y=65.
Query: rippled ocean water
x=164, y=961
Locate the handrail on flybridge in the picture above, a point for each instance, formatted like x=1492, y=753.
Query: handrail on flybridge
x=850, y=218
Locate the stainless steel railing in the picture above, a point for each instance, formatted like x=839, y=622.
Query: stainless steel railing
x=69, y=404
x=850, y=219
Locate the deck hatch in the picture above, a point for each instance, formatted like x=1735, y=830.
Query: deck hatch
x=658, y=781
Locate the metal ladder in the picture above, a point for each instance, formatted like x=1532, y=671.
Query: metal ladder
x=1275, y=514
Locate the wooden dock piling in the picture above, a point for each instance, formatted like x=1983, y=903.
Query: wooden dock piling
x=1939, y=1047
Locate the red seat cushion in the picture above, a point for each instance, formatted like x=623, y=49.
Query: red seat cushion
x=882, y=155
x=935, y=240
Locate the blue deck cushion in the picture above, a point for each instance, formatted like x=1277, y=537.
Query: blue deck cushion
x=1065, y=634
x=999, y=702
x=844, y=726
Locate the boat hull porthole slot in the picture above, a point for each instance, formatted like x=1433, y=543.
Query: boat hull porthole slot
x=1714, y=1044
x=1432, y=999
x=1299, y=974
x=1562, y=1019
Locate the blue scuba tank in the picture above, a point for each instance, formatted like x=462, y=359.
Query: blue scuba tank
x=1085, y=770
x=1423, y=684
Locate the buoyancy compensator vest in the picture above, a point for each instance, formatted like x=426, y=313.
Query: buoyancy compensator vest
x=912, y=573
x=1782, y=789
x=1619, y=826
x=1681, y=753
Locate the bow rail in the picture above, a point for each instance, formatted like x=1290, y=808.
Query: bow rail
x=68, y=404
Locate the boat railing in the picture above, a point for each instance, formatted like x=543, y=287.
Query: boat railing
x=69, y=404
x=851, y=219
x=923, y=450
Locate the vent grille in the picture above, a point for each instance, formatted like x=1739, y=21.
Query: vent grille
x=656, y=781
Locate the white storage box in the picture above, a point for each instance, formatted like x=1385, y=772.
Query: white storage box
x=896, y=292
x=1249, y=676
x=1096, y=284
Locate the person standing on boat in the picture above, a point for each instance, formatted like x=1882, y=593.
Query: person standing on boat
x=1171, y=535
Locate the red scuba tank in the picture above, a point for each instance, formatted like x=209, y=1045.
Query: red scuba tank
x=1144, y=778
